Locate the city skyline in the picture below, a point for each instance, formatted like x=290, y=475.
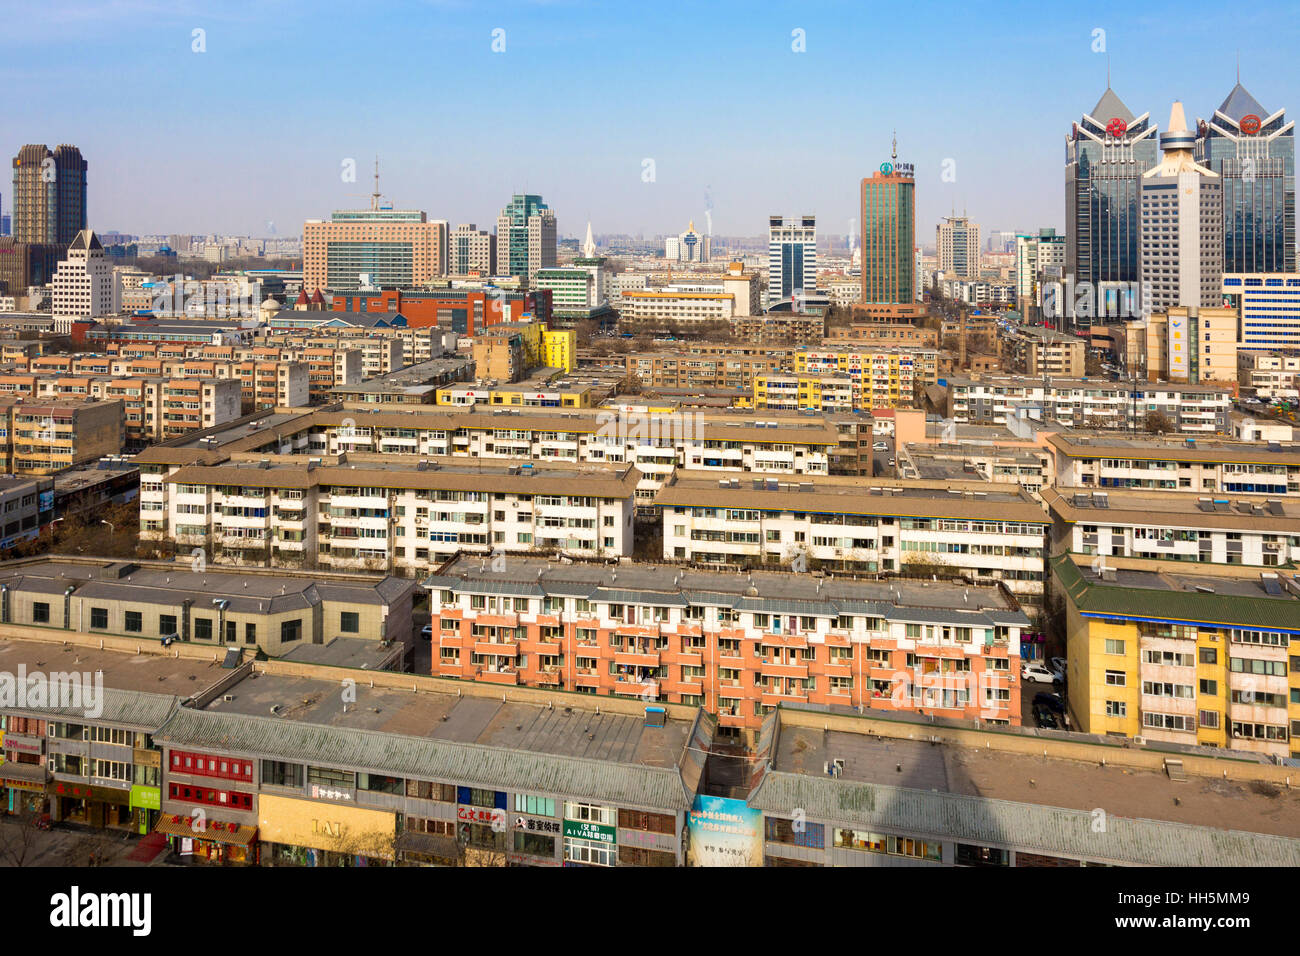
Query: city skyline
x=199, y=178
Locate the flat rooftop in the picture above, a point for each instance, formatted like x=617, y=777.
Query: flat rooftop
x=535, y=575
x=565, y=729
x=150, y=673
x=1050, y=781
x=1183, y=508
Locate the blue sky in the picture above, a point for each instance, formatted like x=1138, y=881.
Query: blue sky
x=254, y=130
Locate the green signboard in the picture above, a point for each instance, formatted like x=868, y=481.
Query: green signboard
x=146, y=798
x=589, y=831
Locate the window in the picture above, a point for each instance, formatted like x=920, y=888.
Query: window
x=1116, y=678
x=133, y=621
x=1114, y=646
x=806, y=834
x=279, y=774
x=349, y=622
x=290, y=631
x=1209, y=655
x=537, y=806
x=1116, y=708
x=41, y=613
x=203, y=628
x=166, y=624
x=99, y=617
x=250, y=633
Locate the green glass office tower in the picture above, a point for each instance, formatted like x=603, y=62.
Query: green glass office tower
x=525, y=237
x=889, y=236
x=1254, y=154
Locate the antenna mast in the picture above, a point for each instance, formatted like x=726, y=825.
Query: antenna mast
x=374, y=197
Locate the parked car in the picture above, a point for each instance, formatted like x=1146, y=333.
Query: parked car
x=1036, y=672
x=1045, y=718
x=1059, y=667
x=426, y=632
x=1051, y=702
x=880, y=446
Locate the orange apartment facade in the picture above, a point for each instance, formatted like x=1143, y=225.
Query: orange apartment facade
x=737, y=644
x=43, y=437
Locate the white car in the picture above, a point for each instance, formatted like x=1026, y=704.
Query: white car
x=880, y=446
x=1036, y=672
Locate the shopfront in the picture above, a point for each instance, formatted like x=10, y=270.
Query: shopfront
x=98, y=807
x=24, y=788
x=146, y=804
x=211, y=841
x=297, y=832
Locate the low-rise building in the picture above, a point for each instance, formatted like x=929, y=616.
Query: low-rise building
x=1195, y=656
x=371, y=512
x=1103, y=461
x=975, y=530
x=737, y=644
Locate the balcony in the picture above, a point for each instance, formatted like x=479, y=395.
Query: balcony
x=489, y=676
x=636, y=658
x=495, y=650
x=781, y=669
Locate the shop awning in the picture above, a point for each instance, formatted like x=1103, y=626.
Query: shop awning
x=24, y=776
x=427, y=844
x=173, y=825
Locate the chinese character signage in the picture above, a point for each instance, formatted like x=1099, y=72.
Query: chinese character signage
x=725, y=832
x=589, y=831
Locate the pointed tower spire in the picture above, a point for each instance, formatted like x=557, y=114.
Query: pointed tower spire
x=589, y=247
x=374, y=197
x=893, y=156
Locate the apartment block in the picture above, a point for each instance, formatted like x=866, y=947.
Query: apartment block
x=1039, y=352
x=1085, y=403
x=882, y=378
x=45, y=436
x=1232, y=467
x=1175, y=526
x=1194, y=656
x=369, y=512
x=738, y=645
x=983, y=532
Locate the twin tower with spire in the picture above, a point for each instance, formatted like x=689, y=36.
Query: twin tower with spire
x=1239, y=165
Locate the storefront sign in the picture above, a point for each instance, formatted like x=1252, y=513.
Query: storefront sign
x=81, y=792
x=479, y=814
x=590, y=831
x=146, y=798
x=537, y=826
x=26, y=745
x=343, y=829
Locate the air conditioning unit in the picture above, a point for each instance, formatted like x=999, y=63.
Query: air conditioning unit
x=1140, y=741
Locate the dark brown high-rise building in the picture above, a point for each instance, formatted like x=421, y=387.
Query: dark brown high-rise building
x=49, y=194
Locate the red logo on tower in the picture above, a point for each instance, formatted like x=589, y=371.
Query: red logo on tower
x=1250, y=124
x=1117, y=127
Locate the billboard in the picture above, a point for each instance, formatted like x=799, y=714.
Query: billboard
x=724, y=832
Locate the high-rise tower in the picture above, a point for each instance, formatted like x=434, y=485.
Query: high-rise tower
x=889, y=237
x=49, y=194
x=1106, y=153
x=1253, y=151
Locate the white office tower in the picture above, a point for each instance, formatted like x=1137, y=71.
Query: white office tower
x=791, y=257
x=84, y=286
x=957, y=242
x=1180, y=235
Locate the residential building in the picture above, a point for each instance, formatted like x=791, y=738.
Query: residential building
x=1037, y=351
x=1100, y=461
x=43, y=436
x=977, y=530
x=360, y=511
x=84, y=286
x=1180, y=655
x=26, y=507
x=882, y=377
x=739, y=645
x=1217, y=528
x=1089, y=403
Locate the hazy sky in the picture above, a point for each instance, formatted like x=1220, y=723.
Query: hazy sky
x=255, y=130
